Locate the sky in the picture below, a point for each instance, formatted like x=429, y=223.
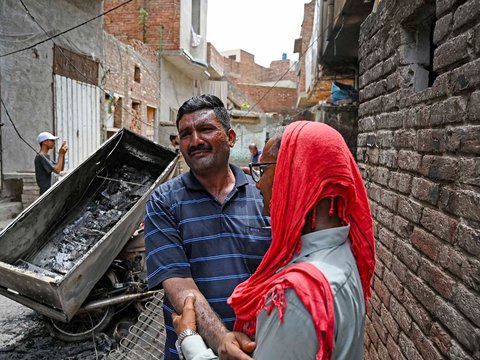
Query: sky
x=264, y=28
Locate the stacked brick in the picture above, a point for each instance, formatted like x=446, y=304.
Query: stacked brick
x=277, y=100
x=419, y=154
x=159, y=26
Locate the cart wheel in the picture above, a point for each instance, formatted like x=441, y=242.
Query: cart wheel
x=81, y=327
x=84, y=324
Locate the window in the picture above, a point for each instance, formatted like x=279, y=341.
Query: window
x=117, y=114
x=196, y=16
x=419, y=50
x=136, y=74
x=172, y=115
x=136, y=120
x=151, y=112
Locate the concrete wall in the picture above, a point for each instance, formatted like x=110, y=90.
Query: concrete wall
x=176, y=88
x=26, y=77
x=200, y=51
x=419, y=151
x=248, y=130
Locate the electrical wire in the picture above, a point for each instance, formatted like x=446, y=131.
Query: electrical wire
x=66, y=31
x=301, y=56
x=21, y=137
x=73, y=65
x=15, y=128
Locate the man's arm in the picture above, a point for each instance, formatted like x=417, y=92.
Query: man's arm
x=192, y=346
x=209, y=324
x=229, y=345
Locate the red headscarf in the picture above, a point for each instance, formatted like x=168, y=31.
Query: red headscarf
x=313, y=163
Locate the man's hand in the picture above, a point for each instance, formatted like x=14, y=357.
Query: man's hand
x=63, y=148
x=236, y=346
x=187, y=319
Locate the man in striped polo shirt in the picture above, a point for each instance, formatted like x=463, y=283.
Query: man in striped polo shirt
x=204, y=230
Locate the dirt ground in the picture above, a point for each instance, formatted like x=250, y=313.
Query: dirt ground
x=23, y=335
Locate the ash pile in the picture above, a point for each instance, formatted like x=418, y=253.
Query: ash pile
x=113, y=195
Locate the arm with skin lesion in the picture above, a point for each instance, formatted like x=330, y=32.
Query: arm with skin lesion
x=209, y=325
x=230, y=345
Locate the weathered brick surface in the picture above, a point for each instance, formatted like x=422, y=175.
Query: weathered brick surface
x=440, y=167
x=467, y=237
x=420, y=154
x=162, y=24
x=277, y=99
x=400, y=315
x=423, y=344
x=455, y=50
x=120, y=63
x=466, y=13
x=439, y=224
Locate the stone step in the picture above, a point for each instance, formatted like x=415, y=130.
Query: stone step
x=9, y=210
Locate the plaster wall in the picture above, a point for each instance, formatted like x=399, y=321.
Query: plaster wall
x=27, y=76
x=198, y=52
x=175, y=89
x=248, y=132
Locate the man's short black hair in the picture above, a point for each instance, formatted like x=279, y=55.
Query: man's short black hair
x=173, y=137
x=206, y=102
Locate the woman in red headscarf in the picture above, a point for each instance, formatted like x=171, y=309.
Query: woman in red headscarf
x=322, y=255
x=307, y=298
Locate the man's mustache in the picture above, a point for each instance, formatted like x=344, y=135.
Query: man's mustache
x=203, y=147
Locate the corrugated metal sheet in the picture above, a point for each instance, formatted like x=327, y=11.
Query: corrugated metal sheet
x=217, y=88
x=77, y=118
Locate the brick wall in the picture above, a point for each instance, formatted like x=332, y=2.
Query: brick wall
x=120, y=63
x=419, y=153
x=282, y=69
x=162, y=22
x=246, y=74
x=279, y=100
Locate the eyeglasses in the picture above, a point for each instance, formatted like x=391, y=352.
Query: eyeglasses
x=257, y=169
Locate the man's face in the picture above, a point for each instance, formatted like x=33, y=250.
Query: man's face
x=265, y=184
x=253, y=150
x=203, y=141
x=50, y=144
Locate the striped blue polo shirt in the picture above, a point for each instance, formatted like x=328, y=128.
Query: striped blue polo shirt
x=189, y=234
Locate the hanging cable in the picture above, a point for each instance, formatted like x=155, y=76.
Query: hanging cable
x=65, y=31
x=15, y=128
x=73, y=65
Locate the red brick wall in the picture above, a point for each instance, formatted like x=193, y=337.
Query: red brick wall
x=246, y=73
x=282, y=69
x=125, y=22
x=279, y=100
x=246, y=70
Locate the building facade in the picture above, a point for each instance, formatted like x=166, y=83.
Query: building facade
x=52, y=86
